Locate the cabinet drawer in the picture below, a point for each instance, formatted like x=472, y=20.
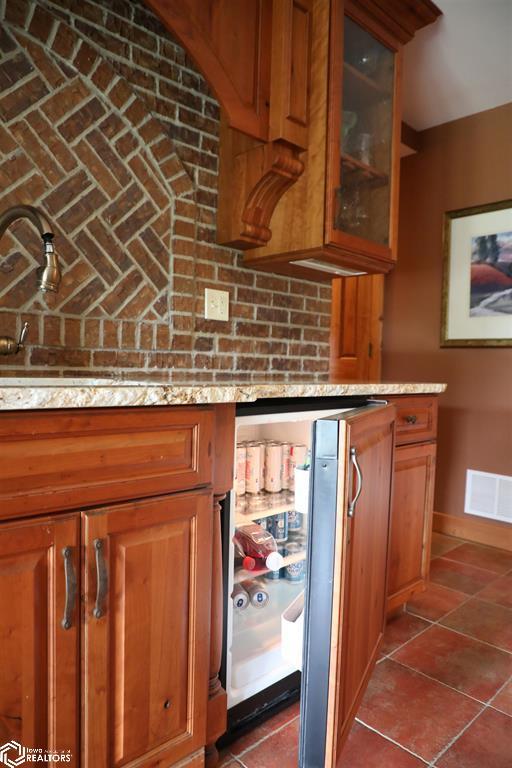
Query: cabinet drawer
x=416, y=419
x=57, y=460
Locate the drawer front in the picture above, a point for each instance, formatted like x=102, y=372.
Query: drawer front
x=416, y=419
x=57, y=460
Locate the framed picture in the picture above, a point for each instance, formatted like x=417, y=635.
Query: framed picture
x=477, y=284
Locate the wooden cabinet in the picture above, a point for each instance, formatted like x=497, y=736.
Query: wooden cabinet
x=413, y=497
x=107, y=610
x=338, y=213
x=147, y=587
x=356, y=328
x=39, y=634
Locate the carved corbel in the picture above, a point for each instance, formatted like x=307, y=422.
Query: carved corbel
x=252, y=182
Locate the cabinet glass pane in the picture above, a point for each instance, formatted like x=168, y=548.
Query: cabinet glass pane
x=363, y=195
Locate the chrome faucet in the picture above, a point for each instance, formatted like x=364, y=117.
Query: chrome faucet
x=48, y=276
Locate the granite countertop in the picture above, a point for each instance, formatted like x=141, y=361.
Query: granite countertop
x=39, y=393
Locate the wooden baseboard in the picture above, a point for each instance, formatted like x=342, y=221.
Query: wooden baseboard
x=481, y=531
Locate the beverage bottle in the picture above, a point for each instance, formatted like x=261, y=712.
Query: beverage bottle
x=257, y=593
x=258, y=546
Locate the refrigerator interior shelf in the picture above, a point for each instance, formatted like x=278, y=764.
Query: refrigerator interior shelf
x=277, y=503
x=241, y=574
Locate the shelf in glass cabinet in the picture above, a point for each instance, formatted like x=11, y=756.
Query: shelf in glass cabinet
x=357, y=171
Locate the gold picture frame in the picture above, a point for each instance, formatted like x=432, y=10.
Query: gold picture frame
x=477, y=276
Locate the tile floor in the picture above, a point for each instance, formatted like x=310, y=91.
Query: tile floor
x=441, y=694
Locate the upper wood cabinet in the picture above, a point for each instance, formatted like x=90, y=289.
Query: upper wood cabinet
x=331, y=210
x=310, y=127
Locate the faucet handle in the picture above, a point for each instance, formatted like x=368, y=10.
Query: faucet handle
x=23, y=335
x=9, y=346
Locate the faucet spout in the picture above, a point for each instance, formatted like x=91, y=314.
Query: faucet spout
x=49, y=275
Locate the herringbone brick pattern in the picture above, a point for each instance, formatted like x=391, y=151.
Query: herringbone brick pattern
x=106, y=127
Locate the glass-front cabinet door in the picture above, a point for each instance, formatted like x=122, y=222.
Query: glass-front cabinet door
x=363, y=138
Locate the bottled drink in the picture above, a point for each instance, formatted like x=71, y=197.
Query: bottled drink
x=240, y=597
x=258, y=595
x=257, y=545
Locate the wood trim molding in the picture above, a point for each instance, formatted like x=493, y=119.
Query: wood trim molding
x=479, y=530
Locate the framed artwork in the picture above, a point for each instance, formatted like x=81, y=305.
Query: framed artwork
x=477, y=282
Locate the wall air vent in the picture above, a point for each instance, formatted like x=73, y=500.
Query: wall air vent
x=488, y=495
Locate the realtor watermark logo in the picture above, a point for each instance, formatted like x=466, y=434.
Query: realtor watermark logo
x=13, y=755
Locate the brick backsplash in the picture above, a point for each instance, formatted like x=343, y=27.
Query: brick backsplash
x=107, y=126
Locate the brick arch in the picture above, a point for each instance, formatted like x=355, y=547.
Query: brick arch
x=79, y=143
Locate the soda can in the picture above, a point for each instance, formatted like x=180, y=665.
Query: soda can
x=252, y=468
x=273, y=466
x=298, y=457
x=294, y=521
x=285, y=470
x=258, y=595
x=262, y=465
x=241, y=460
x=240, y=597
x=279, y=574
x=278, y=527
x=295, y=571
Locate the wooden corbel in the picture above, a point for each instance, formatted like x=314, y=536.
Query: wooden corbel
x=254, y=182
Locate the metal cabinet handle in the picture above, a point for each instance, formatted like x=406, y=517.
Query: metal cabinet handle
x=71, y=587
x=352, y=504
x=411, y=419
x=101, y=580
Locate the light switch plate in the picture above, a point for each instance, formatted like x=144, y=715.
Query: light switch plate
x=216, y=304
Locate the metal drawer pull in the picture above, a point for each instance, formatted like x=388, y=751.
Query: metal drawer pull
x=352, y=504
x=411, y=419
x=71, y=586
x=102, y=579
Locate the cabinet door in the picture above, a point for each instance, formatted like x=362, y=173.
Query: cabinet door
x=346, y=585
x=38, y=654
x=146, y=641
x=356, y=328
x=411, y=521
x=363, y=136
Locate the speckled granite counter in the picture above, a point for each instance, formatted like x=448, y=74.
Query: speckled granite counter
x=38, y=393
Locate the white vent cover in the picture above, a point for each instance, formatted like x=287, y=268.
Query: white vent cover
x=488, y=495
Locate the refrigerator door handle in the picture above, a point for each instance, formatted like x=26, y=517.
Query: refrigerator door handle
x=352, y=504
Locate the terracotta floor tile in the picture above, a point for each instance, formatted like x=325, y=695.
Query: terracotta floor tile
x=499, y=591
x=400, y=630
x=366, y=749
x=495, y=560
x=468, y=665
x=442, y=544
x=435, y=602
x=421, y=714
x=280, y=750
x=460, y=576
x=503, y=700
x=265, y=729
x=486, y=744
x=485, y=621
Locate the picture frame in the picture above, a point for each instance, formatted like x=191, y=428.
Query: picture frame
x=477, y=276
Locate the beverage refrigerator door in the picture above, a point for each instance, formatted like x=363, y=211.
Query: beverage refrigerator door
x=345, y=603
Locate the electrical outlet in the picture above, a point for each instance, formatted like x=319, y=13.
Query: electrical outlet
x=216, y=304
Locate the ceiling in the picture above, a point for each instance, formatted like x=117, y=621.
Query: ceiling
x=460, y=64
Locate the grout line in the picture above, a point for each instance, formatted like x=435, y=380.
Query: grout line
x=392, y=741
x=457, y=737
x=471, y=565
